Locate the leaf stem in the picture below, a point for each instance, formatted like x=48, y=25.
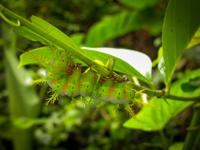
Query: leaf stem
x=180, y=98
x=9, y=21
x=164, y=94
x=164, y=140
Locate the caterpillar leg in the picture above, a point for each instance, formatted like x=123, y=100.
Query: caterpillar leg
x=39, y=81
x=52, y=98
x=110, y=64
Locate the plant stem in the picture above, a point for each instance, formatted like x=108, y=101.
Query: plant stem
x=75, y=50
x=192, y=134
x=22, y=139
x=163, y=94
x=180, y=98
x=164, y=140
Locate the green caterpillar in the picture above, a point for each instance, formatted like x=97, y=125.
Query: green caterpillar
x=73, y=82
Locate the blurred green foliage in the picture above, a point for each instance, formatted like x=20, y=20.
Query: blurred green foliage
x=82, y=124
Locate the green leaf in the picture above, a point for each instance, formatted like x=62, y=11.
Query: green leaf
x=113, y=26
x=35, y=57
x=26, y=123
x=53, y=31
x=21, y=94
x=190, y=77
x=77, y=38
x=3, y=119
x=23, y=101
x=27, y=33
x=153, y=22
x=140, y=4
x=127, y=61
x=157, y=113
x=195, y=40
x=180, y=23
x=176, y=146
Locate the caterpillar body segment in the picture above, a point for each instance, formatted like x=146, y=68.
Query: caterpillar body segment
x=54, y=81
x=87, y=83
x=118, y=93
x=73, y=82
x=129, y=92
x=103, y=89
x=59, y=76
x=70, y=87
